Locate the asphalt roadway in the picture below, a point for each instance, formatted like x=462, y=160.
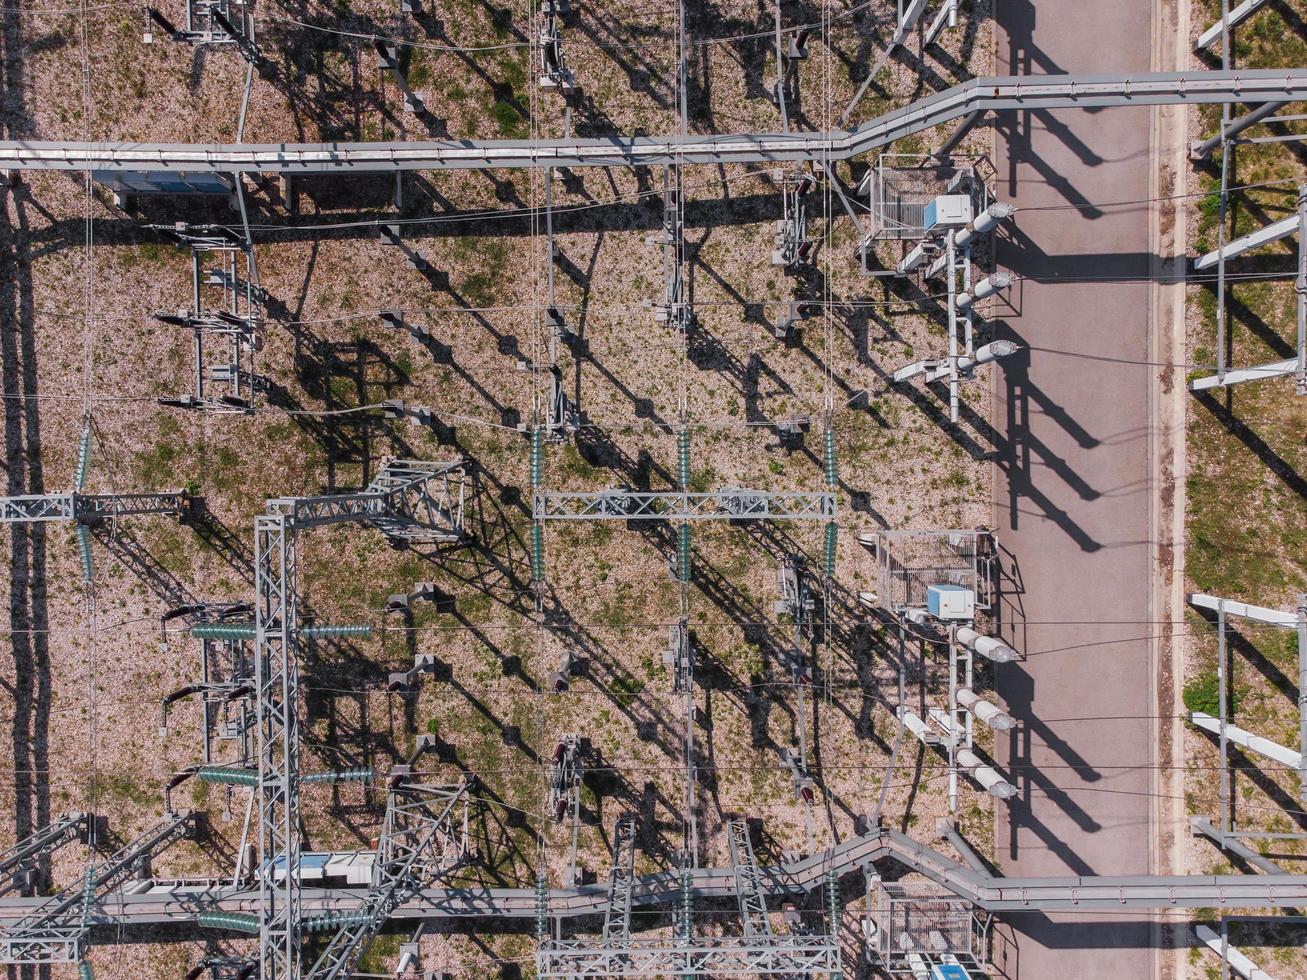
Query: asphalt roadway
x=1072, y=487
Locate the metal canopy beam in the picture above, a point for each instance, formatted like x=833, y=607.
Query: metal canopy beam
x=1008, y=92
x=1202, y=600
x=1262, y=236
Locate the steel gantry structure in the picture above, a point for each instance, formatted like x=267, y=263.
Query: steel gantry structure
x=979, y=95
x=401, y=503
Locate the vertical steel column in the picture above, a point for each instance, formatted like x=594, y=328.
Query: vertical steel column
x=953, y=720
x=952, y=331
x=1302, y=695
x=276, y=706
x=1301, y=288
x=1221, y=715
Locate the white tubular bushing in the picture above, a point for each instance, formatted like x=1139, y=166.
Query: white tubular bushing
x=989, y=352
x=993, y=716
x=913, y=724
x=985, y=222
x=987, y=776
x=988, y=286
x=986, y=646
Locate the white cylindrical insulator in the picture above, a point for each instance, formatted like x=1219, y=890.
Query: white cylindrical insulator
x=987, y=776
x=913, y=724
x=986, y=646
x=985, y=222
x=989, y=352
x=993, y=716
x=988, y=286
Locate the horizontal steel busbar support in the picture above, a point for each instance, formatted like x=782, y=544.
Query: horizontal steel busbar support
x=721, y=505
x=177, y=904
x=1036, y=92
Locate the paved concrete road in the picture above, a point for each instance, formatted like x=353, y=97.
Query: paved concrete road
x=1072, y=490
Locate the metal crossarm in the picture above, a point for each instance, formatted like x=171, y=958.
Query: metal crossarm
x=722, y=505
x=47, y=507
x=17, y=862
x=408, y=499
x=419, y=841
x=54, y=931
x=1009, y=92
x=617, y=916
x=748, y=882
x=90, y=508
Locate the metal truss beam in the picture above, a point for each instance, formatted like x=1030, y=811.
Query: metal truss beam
x=617, y=914
x=54, y=930
x=17, y=863
x=90, y=508
x=748, y=882
x=419, y=841
x=998, y=93
x=727, y=956
x=400, y=502
x=723, y=505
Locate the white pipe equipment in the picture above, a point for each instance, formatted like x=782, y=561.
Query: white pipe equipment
x=1239, y=963
x=1246, y=739
x=993, y=716
x=988, y=286
x=987, y=776
x=985, y=222
x=986, y=646
x=989, y=352
x=916, y=257
x=915, y=615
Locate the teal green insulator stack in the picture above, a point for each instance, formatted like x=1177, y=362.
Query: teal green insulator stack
x=335, y=632
x=683, y=457
x=332, y=921
x=223, y=631
x=537, y=552
x=828, y=553
x=84, y=546
x=828, y=456
x=683, y=566
x=834, y=910
x=542, y=907
x=537, y=457
x=235, y=921
x=232, y=775
x=687, y=904
x=84, y=971
x=358, y=775
x=83, y=458
x=537, y=531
